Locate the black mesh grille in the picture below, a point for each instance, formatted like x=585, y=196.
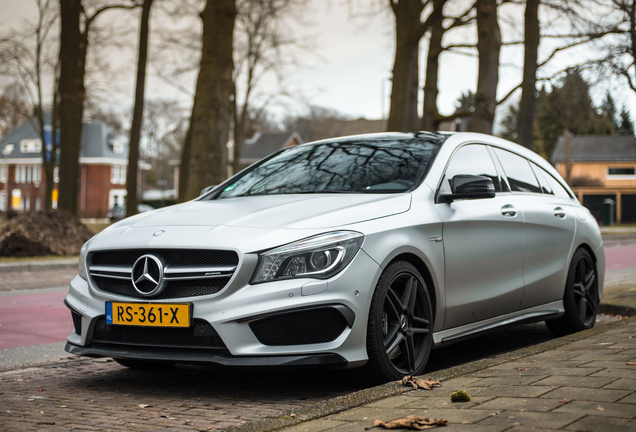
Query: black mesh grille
x=174, y=289
x=200, y=335
x=171, y=257
x=300, y=328
x=181, y=257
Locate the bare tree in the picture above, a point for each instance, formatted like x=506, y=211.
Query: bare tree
x=26, y=55
x=138, y=111
x=259, y=40
x=488, y=47
x=165, y=126
x=431, y=117
x=204, y=156
x=527, y=104
x=13, y=106
x=74, y=38
x=409, y=30
x=617, y=39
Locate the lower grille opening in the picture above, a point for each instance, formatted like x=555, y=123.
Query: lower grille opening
x=77, y=322
x=200, y=335
x=300, y=328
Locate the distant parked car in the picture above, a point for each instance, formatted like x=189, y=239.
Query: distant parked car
x=362, y=251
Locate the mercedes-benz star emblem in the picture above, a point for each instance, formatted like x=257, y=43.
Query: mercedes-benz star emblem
x=147, y=276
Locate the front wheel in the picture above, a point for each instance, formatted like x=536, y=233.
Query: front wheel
x=399, y=331
x=580, y=299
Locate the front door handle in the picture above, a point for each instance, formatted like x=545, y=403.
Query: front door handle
x=509, y=211
x=559, y=213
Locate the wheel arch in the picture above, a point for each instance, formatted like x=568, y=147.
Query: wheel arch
x=422, y=268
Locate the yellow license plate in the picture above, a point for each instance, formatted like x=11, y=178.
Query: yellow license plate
x=149, y=314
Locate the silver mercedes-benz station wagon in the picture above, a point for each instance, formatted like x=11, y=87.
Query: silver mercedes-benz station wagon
x=363, y=251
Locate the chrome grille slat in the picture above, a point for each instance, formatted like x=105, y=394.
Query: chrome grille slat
x=187, y=272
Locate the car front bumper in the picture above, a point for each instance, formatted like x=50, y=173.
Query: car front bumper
x=233, y=312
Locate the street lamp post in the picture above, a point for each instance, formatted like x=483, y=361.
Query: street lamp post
x=6, y=151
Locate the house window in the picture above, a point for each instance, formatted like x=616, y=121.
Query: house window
x=118, y=145
x=28, y=174
x=118, y=174
x=3, y=174
x=30, y=146
x=617, y=173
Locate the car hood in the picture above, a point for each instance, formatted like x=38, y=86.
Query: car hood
x=278, y=211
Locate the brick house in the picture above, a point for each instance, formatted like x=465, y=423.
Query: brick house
x=602, y=167
x=103, y=162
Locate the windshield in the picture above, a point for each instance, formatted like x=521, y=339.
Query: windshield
x=364, y=165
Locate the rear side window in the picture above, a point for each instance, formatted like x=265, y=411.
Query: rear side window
x=472, y=159
x=541, y=176
x=521, y=178
x=548, y=182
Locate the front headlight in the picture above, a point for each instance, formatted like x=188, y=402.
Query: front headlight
x=82, y=259
x=320, y=257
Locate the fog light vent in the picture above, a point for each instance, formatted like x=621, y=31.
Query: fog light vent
x=300, y=328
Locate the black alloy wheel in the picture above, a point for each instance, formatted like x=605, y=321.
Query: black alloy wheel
x=399, y=332
x=580, y=299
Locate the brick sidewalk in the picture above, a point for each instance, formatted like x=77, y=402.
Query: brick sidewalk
x=100, y=395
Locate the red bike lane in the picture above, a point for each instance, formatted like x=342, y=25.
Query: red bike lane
x=33, y=319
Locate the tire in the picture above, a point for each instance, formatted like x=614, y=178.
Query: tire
x=580, y=299
x=399, y=331
x=144, y=364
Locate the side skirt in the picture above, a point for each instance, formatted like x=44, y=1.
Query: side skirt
x=538, y=313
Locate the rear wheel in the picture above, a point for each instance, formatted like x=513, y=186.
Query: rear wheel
x=399, y=332
x=580, y=299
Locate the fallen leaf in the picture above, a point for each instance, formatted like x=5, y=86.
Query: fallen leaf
x=411, y=422
x=144, y=406
x=422, y=383
x=564, y=401
x=600, y=408
x=41, y=389
x=521, y=369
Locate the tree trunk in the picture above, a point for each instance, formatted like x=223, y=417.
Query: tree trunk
x=525, y=120
x=488, y=47
x=240, y=124
x=71, y=89
x=209, y=130
x=430, y=113
x=405, y=85
x=138, y=111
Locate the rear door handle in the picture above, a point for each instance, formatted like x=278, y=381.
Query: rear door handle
x=509, y=210
x=559, y=213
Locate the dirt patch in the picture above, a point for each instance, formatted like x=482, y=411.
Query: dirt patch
x=43, y=233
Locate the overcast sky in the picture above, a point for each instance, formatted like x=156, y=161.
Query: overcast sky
x=350, y=67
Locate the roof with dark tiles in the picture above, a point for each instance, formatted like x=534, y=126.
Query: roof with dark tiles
x=597, y=148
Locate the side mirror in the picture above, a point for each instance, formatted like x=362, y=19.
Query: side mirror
x=470, y=187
